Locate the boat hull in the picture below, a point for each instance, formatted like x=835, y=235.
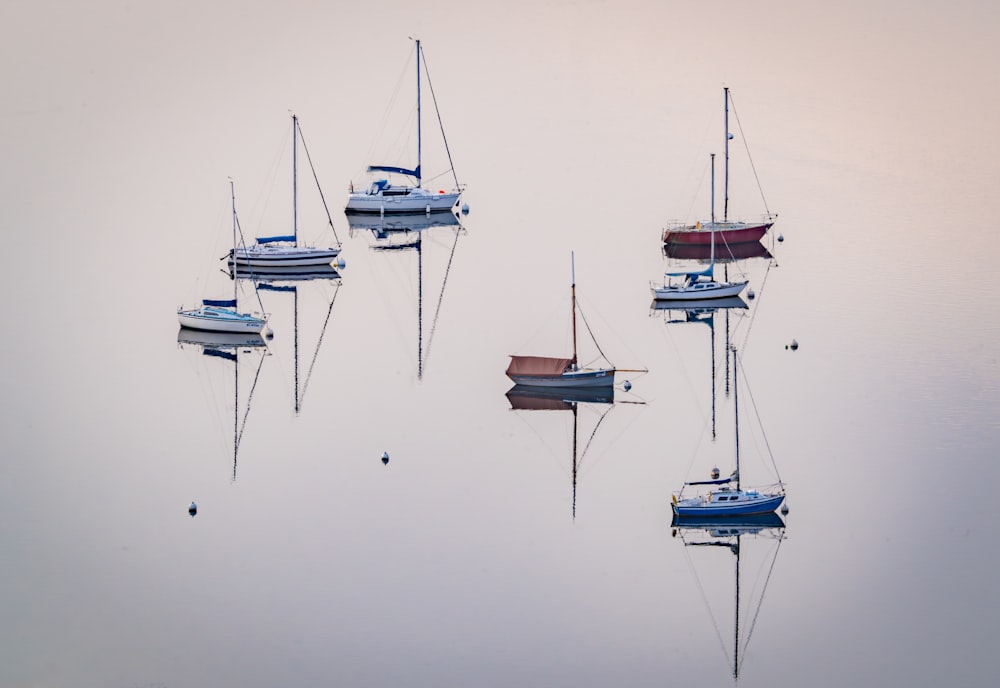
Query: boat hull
x=724, y=233
x=283, y=257
x=588, y=379
x=765, y=504
x=416, y=202
x=716, y=290
x=220, y=320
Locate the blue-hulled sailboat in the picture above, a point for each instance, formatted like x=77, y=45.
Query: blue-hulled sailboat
x=726, y=497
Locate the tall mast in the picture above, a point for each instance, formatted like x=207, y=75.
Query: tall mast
x=418, y=112
x=711, y=262
x=295, y=180
x=736, y=413
x=232, y=194
x=572, y=289
x=725, y=207
x=575, y=435
x=736, y=627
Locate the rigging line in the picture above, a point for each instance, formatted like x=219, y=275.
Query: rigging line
x=318, y=187
x=747, y=147
x=753, y=315
x=427, y=71
x=753, y=404
x=253, y=280
x=319, y=343
x=437, y=310
x=593, y=433
x=753, y=622
x=593, y=339
x=243, y=425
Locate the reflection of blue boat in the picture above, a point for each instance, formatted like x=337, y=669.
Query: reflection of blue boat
x=290, y=273
x=737, y=525
x=726, y=497
x=393, y=231
x=219, y=340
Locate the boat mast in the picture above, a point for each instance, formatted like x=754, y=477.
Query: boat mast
x=736, y=413
x=572, y=289
x=736, y=629
x=725, y=207
x=232, y=194
x=418, y=112
x=711, y=261
x=295, y=180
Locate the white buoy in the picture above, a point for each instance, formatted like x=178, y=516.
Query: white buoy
x=781, y=237
x=341, y=264
x=628, y=385
x=465, y=209
x=794, y=345
x=269, y=333
x=784, y=509
x=193, y=509
x=750, y=294
x=385, y=458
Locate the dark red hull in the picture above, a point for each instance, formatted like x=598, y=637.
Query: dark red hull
x=702, y=236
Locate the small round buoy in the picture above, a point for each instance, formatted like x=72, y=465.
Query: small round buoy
x=715, y=473
x=193, y=509
x=628, y=385
x=784, y=509
x=751, y=294
x=465, y=209
x=781, y=237
x=341, y=264
x=269, y=333
x=794, y=345
x=385, y=458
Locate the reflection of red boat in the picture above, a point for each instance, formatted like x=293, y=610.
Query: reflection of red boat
x=726, y=233
x=723, y=252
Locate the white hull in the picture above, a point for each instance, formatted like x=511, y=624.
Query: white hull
x=220, y=320
x=697, y=291
x=415, y=202
x=285, y=256
x=572, y=379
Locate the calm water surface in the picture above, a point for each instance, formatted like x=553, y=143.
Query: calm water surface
x=482, y=554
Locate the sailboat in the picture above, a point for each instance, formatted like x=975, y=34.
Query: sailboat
x=228, y=346
x=725, y=232
x=218, y=315
x=726, y=497
x=384, y=197
x=524, y=398
x=285, y=250
x=701, y=284
x=545, y=371
x=727, y=534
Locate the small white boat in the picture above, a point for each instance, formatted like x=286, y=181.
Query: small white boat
x=285, y=250
x=384, y=196
x=223, y=315
x=545, y=371
x=698, y=285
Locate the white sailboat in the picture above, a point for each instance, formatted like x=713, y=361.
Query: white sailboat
x=720, y=497
x=218, y=315
x=382, y=196
x=546, y=371
x=701, y=284
x=285, y=250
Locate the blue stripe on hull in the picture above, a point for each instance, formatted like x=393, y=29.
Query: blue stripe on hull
x=757, y=506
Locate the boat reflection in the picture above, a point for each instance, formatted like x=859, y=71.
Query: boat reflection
x=723, y=253
x=292, y=281
x=408, y=234
x=229, y=347
x=600, y=400
x=728, y=535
